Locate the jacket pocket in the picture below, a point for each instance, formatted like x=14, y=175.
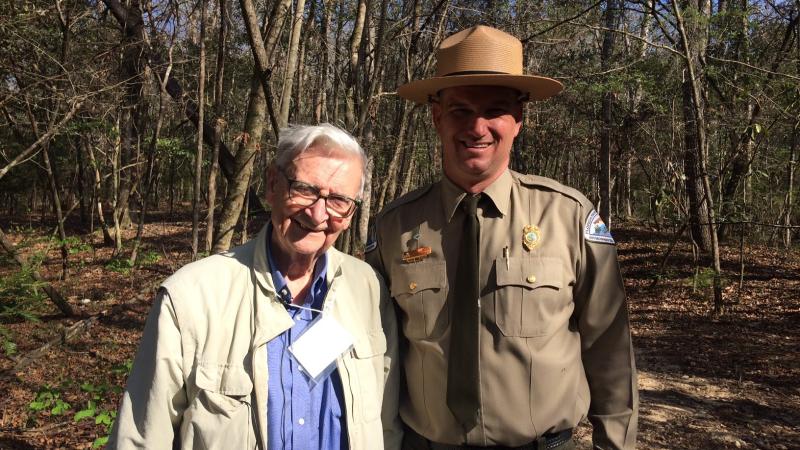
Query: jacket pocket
x=420, y=290
x=529, y=295
x=366, y=375
x=220, y=415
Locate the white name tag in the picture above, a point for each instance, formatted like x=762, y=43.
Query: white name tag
x=318, y=347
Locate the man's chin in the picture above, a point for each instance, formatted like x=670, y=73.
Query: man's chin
x=309, y=244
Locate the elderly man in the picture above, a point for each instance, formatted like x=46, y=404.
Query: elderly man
x=507, y=285
x=282, y=343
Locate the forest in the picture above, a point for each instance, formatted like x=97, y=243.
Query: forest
x=135, y=137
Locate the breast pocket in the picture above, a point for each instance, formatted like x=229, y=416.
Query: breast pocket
x=420, y=290
x=219, y=416
x=367, y=375
x=529, y=295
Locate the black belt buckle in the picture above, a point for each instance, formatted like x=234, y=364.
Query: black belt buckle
x=556, y=439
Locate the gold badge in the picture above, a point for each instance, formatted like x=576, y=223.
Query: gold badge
x=531, y=237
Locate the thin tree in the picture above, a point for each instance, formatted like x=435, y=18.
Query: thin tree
x=198, y=159
x=219, y=123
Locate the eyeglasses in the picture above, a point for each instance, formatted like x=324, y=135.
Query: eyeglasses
x=304, y=194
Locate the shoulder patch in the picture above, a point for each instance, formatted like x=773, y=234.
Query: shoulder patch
x=372, y=238
x=595, y=230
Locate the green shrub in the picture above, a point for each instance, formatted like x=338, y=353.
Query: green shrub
x=49, y=399
x=120, y=265
x=21, y=295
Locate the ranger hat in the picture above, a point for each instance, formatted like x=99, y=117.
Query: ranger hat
x=480, y=56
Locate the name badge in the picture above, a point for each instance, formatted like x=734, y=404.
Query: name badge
x=318, y=347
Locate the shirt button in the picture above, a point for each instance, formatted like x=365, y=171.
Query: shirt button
x=412, y=285
x=531, y=279
x=301, y=421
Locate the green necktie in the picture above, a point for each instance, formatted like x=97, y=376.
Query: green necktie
x=463, y=390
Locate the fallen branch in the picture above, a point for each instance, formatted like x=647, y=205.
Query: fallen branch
x=72, y=332
x=67, y=335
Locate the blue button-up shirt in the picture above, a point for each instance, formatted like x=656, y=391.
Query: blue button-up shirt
x=300, y=416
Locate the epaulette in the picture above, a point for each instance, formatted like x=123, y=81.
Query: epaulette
x=594, y=230
x=553, y=185
x=406, y=198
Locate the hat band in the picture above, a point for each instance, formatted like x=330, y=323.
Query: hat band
x=475, y=72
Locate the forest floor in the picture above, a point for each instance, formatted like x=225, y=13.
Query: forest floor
x=705, y=382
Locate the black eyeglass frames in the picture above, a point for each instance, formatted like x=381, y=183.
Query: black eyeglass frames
x=304, y=194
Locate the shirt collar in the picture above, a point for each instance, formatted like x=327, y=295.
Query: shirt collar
x=499, y=193
x=281, y=287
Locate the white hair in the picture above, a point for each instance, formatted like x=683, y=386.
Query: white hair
x=296, y=139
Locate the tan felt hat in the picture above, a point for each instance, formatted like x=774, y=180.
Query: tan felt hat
x=480, y=56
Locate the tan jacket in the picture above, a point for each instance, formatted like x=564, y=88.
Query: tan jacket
x=554, y=339
x=200, y=375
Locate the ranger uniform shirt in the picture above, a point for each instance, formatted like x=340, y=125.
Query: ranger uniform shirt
x=554, y=339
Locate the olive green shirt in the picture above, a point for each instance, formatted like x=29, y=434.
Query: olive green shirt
x=554, y=340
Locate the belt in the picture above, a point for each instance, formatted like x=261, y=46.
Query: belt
x=545, y=442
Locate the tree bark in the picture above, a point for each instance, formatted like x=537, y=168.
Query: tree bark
x=700, y=200
x=355, y=43
x=96, y=194
x=262, y=51
x=612, y=11
x=291, y=64
x=243, y=165
x=789, y=198
x=56, y=198
x=198, y=159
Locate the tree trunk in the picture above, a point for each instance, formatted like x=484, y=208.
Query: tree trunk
x=97, y=193
x=789, y=199
x=198, y=159
x=612, y=11
x=262, y=51
x=355, y=43
x=291, y=64
x=389, y=185
x=324, y=84
x=700, y=200
x=243, y=165
x=79, y=163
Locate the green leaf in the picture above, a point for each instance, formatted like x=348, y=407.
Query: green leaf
x=60, y=408
x=99, y=442
x=84, y=414
x=37, y=406
x=104, y=418
x=9, y=347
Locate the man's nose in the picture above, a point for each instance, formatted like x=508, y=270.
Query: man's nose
x=479, y=126
x=318, y=211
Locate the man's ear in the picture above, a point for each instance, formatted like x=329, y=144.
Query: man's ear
x=271, y=186
x=436, y=112
x=519, y=114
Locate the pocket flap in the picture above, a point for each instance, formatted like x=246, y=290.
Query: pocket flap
x=529, y=272
x=369, y=345
x=223, y=378
x=415, y=277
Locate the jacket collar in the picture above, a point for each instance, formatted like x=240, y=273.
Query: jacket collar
x=499, y=193
x=271, y=318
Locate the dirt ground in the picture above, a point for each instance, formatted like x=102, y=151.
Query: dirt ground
x=705, y=382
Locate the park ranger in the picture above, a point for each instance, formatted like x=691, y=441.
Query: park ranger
x=507, y=285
